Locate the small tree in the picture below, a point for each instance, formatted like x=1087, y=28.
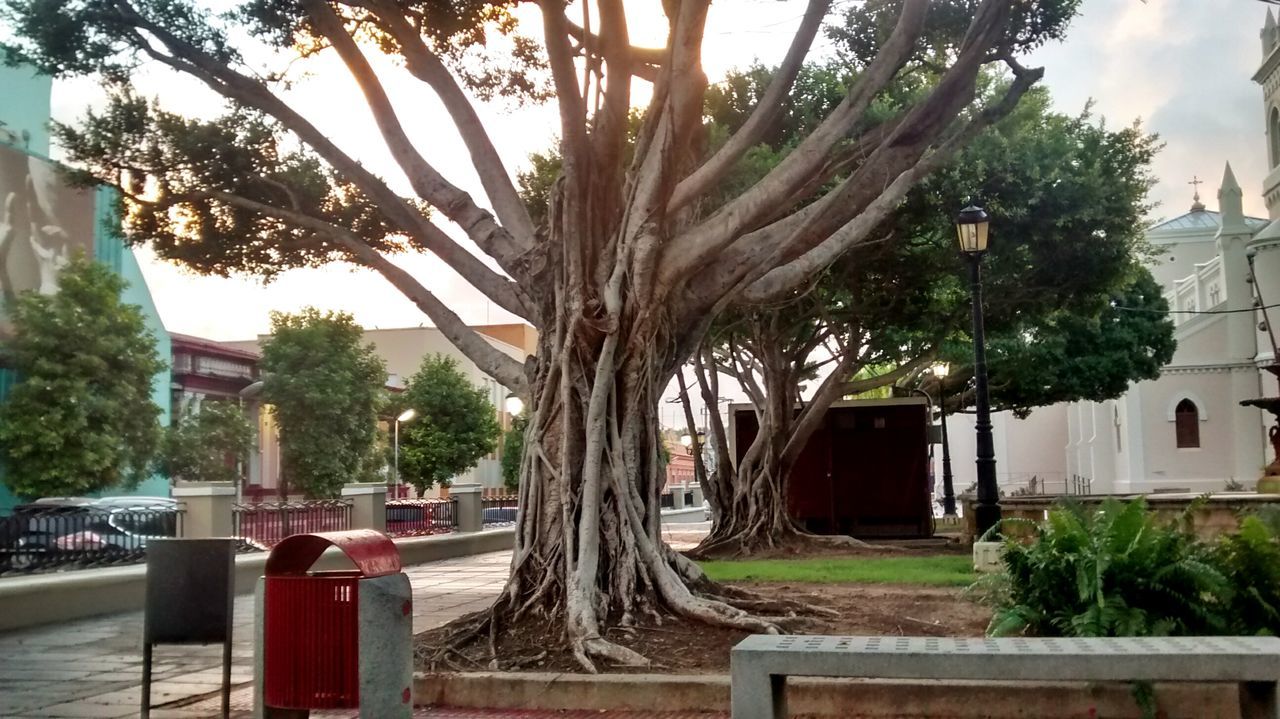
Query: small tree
x=82, y=418
x=326, y=386
x=205, y=443
x=455, y=427
x=512, y=451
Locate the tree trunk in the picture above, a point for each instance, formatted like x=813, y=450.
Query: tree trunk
x=757, y=519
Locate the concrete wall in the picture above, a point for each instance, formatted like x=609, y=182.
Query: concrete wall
x=1204, y=468
x=50, y=598
x=26, y=106
x=1025, y=448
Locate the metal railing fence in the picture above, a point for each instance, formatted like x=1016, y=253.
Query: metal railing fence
x=270, y=522
x=419, y=517
x=500, y=510
x=39, y=538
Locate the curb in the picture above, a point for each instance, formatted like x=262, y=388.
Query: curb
x=870, y=699
x=29, y=601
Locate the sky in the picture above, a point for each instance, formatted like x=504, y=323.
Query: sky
x=1180, y=67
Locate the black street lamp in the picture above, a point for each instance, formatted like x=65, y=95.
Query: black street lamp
x=972, y=225
x=941, y=370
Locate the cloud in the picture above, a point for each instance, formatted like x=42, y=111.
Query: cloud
x=1183, y=67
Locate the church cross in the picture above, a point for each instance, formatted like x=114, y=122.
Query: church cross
x=1196, y=182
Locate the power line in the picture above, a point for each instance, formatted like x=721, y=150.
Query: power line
x=1192, y=312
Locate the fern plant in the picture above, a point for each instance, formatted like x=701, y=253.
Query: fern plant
x=1108, y=573
x=1251, y=561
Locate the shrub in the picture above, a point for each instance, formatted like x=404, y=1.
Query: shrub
x=1250, y=559
x=1114, y=572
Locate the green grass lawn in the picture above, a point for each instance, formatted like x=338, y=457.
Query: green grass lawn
x=939, y=571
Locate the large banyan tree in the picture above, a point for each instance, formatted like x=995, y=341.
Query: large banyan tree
x=623, y=276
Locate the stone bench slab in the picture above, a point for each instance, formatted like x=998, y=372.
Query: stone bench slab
x=1128, y=659
x=760, y=664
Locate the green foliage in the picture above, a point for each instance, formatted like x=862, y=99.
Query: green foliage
x=206, y=444
x=1251, y=561
x=938, y=571
x=1111, y=573
x=512, y=452
x=325, y=386
x=1065, y=294
x=82, y=418
x=194, y=164
x=868, y=25
x=456, y=425
x=1117, y=572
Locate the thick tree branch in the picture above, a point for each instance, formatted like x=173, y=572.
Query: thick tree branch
x=189, y=60
x=509, y=372
x=778, y=281
x=655, y=56
x=762, y=117
x=426, y=66
x=693, y=249
x=430, y=185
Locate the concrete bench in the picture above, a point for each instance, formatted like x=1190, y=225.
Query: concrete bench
x=760, y=664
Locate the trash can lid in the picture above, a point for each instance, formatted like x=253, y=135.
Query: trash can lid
x=373, y=552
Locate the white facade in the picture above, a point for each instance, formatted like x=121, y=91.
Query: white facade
x=1186, y=429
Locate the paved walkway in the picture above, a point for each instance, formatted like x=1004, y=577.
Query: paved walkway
x=93, y=667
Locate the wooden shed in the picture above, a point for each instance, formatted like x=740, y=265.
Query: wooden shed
x=864, y=473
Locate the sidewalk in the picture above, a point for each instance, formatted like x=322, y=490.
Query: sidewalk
x=93, y=667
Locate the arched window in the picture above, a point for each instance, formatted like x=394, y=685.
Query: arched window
x=1273, y=136
x=1186, y=419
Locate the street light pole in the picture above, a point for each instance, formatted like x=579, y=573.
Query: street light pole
x=987, y=510
x=971, y=228
x=940, y=371
x=405, y=416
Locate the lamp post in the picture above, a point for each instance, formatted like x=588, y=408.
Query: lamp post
x=941, y=370
x=686, y=441
x=514, y=405
x=405, y=416
x=972, y=225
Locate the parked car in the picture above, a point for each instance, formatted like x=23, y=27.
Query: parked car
x=107, y=529
x=500, y=515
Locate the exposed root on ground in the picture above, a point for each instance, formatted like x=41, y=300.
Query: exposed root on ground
x=737, y=545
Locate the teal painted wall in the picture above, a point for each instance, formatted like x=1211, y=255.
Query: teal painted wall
x=26, y=107
x=31, y=112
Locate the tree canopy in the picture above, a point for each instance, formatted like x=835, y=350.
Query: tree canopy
x=324, y=385
x=82, y=417
x=455, y=426
x=622, y=277
x=209, y=442
x=1067, y=197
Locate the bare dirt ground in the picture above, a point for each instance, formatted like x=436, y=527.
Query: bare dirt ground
x=691, y=648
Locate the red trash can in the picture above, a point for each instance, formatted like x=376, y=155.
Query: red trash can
x=338, y=637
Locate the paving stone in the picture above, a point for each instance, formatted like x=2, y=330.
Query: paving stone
x=93, y=667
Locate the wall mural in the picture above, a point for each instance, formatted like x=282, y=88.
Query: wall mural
x=42, y=222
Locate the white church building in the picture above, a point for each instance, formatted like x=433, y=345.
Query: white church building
x=1185, y=430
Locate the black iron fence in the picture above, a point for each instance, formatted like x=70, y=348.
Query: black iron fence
x=270, y=522
x=500, y=510
x=420, y=517
x=36, y=538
